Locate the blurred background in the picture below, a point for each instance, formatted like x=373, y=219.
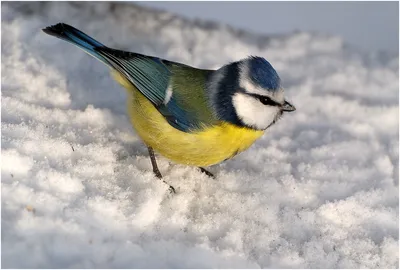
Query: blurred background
x=366, y=25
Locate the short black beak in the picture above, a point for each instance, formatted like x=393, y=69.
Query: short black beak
x=287, y=107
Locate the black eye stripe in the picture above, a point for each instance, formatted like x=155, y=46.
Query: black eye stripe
x=266, y=100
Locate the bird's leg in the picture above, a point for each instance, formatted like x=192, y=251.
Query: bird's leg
x=154, y=162
x=206, y=172
x=155, y=168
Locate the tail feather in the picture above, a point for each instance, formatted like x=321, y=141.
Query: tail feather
x=76, y=37
x=149, y=75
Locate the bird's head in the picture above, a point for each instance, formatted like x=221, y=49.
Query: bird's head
x=248, y=93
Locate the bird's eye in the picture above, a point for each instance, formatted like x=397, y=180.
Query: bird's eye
x=266, y=101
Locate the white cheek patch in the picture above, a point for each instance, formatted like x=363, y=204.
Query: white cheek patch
x=252, y=112
x=250, y=87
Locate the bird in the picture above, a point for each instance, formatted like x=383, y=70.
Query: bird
x=192, y=116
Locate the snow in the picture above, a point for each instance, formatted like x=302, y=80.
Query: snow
x=319, y=190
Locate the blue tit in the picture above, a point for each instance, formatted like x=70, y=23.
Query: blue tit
x=192, y=116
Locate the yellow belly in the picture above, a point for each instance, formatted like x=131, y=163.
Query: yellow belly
x=203, y=148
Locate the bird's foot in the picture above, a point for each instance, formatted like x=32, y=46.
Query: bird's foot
x=156, y=170
x=171, y=189
x=206, y=172
x=159, y=176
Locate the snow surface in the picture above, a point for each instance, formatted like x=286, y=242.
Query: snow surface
x=319, y=190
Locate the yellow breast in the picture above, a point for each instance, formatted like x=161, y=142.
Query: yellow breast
x=203, y=148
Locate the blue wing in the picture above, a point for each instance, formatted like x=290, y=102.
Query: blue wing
x=150, y=75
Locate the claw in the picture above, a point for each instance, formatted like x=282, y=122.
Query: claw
x=206, y=172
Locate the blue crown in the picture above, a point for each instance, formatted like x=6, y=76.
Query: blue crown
x=262, y=73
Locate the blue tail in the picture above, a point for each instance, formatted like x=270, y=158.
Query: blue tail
x=78, y=38
x=150, y=75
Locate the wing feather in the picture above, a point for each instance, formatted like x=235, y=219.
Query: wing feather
x=187, y=109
